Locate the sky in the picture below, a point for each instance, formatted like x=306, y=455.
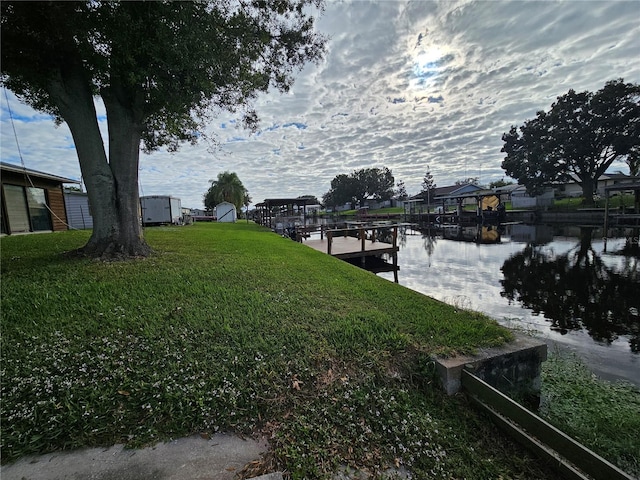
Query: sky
x=408, y=85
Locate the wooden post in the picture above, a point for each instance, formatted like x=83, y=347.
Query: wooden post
x=329, y=238
x=362, y=239
x=606, y=219
x=395, y=254
x=322, y=232
x=395, y=267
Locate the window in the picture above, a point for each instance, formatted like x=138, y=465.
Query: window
x=38, y=211
x=26, y=209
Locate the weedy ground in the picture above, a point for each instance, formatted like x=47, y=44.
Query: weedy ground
x=231, y=327
x=605, y=416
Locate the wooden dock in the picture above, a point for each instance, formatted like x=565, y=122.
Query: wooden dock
x=339, y=244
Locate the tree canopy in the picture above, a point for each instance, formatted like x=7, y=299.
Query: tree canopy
x=226, y=188
x=311, y=199
x=500, y=183
x=581, y=135
x=162, y=70
x=467, y=181
x=401, y=191
x=360, y=185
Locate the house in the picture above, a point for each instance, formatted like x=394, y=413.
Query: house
x=226, y=212
x=452, y=195
x=573, y=189
x=32, y=201
x=521, y=199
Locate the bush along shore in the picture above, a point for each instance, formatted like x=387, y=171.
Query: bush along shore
x=229, y=327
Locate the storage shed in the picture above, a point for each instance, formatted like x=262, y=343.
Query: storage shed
x=78, y=211
x=226, y=212
x=32, y=201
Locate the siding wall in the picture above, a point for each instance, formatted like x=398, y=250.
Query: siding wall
x=77, y=205
x=56, y=204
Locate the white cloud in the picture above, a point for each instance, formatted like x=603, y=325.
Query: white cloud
x=403, y=85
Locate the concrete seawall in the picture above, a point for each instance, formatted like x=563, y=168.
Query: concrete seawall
x=513, y=368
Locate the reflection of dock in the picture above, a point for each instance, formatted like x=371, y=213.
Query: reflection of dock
x=339, y=244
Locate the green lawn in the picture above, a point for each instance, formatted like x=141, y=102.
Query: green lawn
x=231, y=327
x=575, y=203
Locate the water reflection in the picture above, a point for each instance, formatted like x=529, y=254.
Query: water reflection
x=577, y=289
x=486, y=234
x=567, y=285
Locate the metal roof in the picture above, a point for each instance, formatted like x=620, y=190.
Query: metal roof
x=35, y=173
x=474, y=194
x=622, y=186
x=278, y=202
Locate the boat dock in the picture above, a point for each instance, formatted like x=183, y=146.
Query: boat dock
x=366, y=245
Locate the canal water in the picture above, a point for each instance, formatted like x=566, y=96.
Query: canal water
x=568, y=286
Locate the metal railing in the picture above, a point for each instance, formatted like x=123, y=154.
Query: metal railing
x=571, y=458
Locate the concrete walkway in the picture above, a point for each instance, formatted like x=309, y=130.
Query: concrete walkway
x=219, y=458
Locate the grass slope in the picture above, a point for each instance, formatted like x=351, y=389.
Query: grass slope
x=231, y=327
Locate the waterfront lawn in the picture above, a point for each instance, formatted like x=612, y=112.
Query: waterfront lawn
x=575, y=203
x=231, y=327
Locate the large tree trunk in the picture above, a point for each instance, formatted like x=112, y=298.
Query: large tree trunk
x=587, y=191
x=112, y=186
x=125, y=127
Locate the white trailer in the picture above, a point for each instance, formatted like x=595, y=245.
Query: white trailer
x=161, y=209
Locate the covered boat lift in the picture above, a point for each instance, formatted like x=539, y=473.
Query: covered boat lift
x=489, y=203
x=286, y=211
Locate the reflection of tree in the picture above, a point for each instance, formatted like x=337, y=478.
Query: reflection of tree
x=631, y=246
x=402, y=237
x=577, y=290
x=429, y=242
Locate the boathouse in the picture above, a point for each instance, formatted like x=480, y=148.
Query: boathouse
x=281, y=213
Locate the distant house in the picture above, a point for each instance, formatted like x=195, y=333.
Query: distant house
x=377, y=204
x=573, y=189
x=313, y=209
x=32, y=201
x=521, y=199
x=443, y=196
x=226, y=212
x=78, y=212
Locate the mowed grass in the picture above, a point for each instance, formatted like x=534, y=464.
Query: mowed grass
x=231, y=327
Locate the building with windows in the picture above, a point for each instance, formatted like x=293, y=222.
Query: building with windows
x=32, y=201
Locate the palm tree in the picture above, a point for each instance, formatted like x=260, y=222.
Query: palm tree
x=226, y=188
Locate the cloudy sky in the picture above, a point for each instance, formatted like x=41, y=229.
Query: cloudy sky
x=404, y=85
